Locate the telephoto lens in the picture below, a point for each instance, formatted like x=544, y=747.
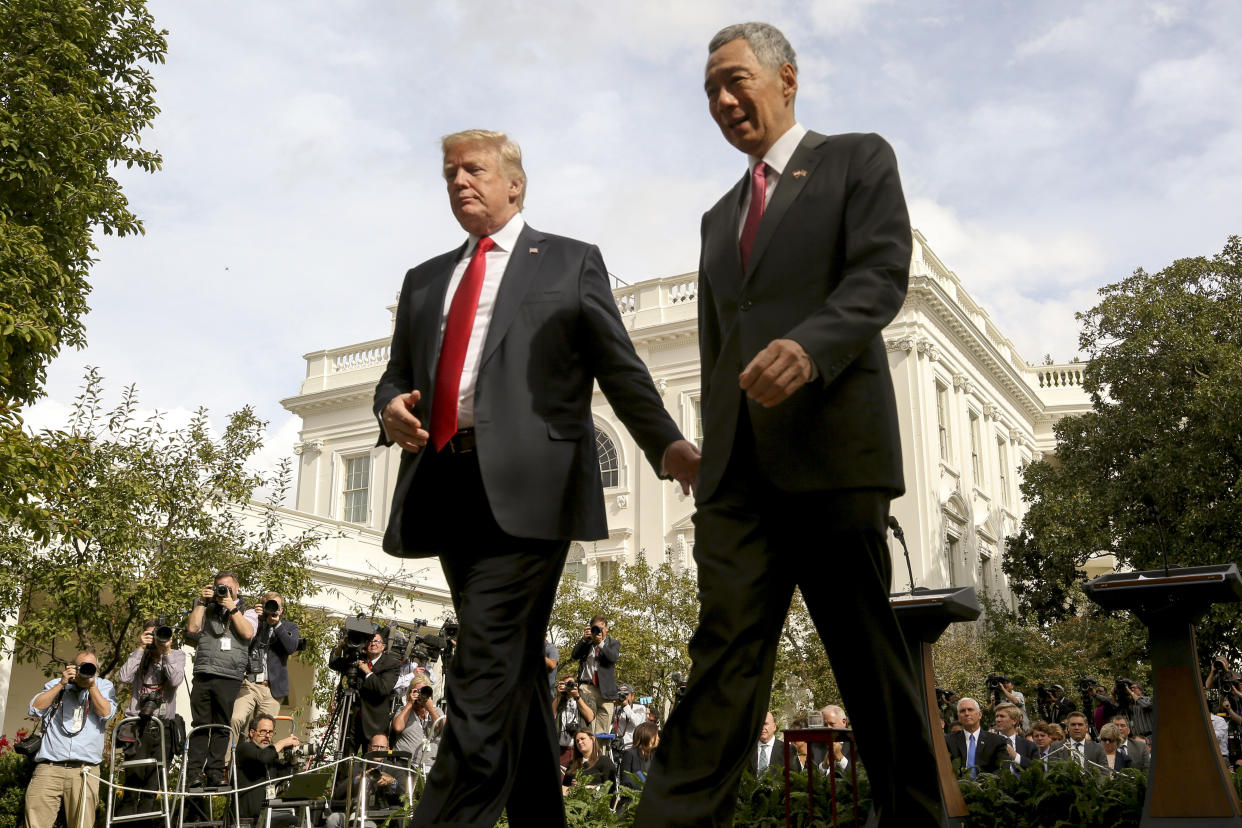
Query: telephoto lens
x=86, y=669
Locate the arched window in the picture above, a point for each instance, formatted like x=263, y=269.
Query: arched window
x=609, y=465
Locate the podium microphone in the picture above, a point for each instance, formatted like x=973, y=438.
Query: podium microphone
x=900, y=534
x=1150, y=503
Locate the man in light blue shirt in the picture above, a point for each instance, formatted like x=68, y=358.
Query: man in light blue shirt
x=75, y=709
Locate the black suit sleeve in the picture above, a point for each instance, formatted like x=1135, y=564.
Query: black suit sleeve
x=622, y=376
x=876, y=273
x=609, y=653
x=379, y=685
x=580, y=650
x=398, y=376
x=285, y=638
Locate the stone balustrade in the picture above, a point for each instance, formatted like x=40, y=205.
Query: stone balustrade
x=358, y=357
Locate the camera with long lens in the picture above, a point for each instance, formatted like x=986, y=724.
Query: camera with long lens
x=87, y=670
x=222, y=591
x=271, y=608
x=1087, y=684
x=996, y=689
x=357, y=634
x=294, y=754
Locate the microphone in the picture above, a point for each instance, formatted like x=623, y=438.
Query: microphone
x=900, y=535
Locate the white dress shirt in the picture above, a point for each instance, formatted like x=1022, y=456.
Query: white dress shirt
x=497, y=260
x=777, y=158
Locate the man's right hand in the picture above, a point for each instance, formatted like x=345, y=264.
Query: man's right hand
x=208, y=593
x=146, y=638
x=400, y=424
x=69, y=674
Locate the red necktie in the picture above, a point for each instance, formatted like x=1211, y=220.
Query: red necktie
x=758, y=195
x=453, y=350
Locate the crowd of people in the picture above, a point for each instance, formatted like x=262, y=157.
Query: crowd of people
x=606, y=732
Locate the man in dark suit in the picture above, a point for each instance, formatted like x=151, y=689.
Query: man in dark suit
x=380, y=671
x=1135, y=749
x=972, y=746
x=497, y=346
x=769, y=752
x=802, y=264
x=1078, y=744
x=1018, y=749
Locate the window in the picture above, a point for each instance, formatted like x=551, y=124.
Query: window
x=575, y=563
x=607, y=570
x=356, y=492
x=942, y=419
x=986, y=574
x=698, y=421
x=976, y=450
x=609, y=467
x=951, y=551
x=1002, y=459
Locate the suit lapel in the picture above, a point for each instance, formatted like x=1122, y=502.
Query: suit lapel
x=803, y=163
x=519, y=274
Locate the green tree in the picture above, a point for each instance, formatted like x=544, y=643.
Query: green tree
x=1157, y=463
x=75, y=95
x=651, y=611
x=150, y=513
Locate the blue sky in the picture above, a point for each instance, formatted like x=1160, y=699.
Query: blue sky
x=1046, y=148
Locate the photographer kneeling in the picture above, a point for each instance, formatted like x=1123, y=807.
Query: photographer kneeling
x=256, y=759
x=267, y=674
x=573, y=711
x=154, y=671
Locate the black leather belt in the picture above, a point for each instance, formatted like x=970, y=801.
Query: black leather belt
x=462, y=442
x=73, y=763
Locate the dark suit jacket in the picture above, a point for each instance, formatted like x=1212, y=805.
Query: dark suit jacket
x=284, y=643
x=776, y=760
x=606, y=668
x=1027, y=750
x=990, y=751
x=555, y=331
x=375, y=694
x=1138, y=753
x=1092, y=751
x=828, y=269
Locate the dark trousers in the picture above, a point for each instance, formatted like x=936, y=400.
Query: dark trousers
x=753, y=544
x=499, y=749
x=211, y=702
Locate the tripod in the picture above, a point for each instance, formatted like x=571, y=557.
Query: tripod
x=341, y=725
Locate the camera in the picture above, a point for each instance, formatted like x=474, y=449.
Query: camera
x=1220, y=665
x=596, y=629
x=570, y=684
x=293, y=753
x=357, y=633
x=680, y=682
x=87, y=670
x=149, y=703
x=223, y=591
x=271, y=608
x=1087, y=684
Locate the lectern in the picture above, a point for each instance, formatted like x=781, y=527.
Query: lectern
x=924, y=615
x=1187, y=784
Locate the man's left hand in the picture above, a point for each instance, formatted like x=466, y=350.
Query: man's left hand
x=681, y=462
x=776, y=372
x=364, y=667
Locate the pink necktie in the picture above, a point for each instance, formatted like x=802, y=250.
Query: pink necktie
x=758, y=195
x=453, y=350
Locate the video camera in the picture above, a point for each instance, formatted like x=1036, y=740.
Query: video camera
x=356, y=633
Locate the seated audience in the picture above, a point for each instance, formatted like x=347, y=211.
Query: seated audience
x=1110, y=739
x=591, y=765
x=636, y=759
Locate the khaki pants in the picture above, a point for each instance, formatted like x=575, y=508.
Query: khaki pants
x=251, y=699
x=602, y=723
x=52, y=785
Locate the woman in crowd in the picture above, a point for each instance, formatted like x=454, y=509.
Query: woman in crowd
x=591, y=766
x=1110, y=738
x=636, y=760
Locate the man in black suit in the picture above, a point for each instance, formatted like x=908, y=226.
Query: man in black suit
x=972, y=746
x=802, y=264
x=1135, y=749
x=380, y=671
x=1078, y=744
x=497, y=346
x=1018, y=749
x=597, y=653
x=769, y=752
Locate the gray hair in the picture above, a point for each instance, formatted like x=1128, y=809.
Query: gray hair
x=833, y=710
x=765, y=40
x=508, y=150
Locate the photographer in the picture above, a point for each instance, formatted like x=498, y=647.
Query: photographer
x=411, y=724
x=267, y=673
x=629, y=716
x=1054, y=707
x=154, y=671
x=1000, y=691
x=1226, y=702
x=597, y=656
x=259, y=760
x=1134, y=706
x=386, y=784
x=73, y=738
x=574, y=711
x=946, y=701
x=222, y=632
x=377, y=671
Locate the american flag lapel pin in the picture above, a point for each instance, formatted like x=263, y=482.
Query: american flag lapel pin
x=534, y=250
x=799, y=173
